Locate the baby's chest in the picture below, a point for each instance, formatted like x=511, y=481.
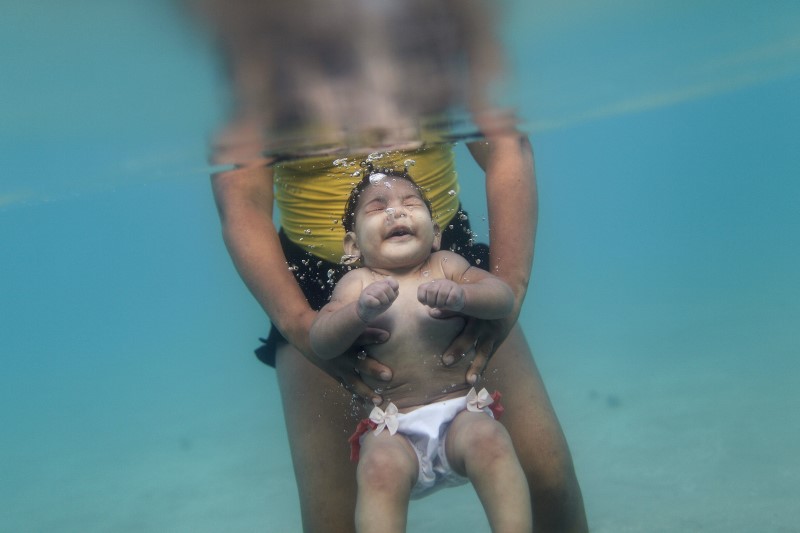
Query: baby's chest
x=406, y=310
x=409, y=321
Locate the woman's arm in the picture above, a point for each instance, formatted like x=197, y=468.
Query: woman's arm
x=511, y=195
x=507, y=158
x=244, y=200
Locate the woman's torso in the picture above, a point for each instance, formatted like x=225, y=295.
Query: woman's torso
x=311, y=193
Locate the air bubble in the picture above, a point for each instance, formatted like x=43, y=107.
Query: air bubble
x=451, y=192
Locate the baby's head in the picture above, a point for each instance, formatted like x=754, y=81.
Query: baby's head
x=383, y=177
x=388, y=221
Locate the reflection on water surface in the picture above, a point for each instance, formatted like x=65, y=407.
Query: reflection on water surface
x=344, y=76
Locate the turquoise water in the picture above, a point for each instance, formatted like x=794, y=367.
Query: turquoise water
x=663, y=313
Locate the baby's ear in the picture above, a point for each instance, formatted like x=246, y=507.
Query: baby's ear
x=351, y=252
x=437, y=238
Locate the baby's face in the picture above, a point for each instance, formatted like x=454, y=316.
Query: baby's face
x=393, y=227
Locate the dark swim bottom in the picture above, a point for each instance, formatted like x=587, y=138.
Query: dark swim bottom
x=317, y=277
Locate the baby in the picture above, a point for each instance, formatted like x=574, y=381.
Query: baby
x=431, y=431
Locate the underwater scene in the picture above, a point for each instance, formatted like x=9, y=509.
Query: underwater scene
x=662, y=312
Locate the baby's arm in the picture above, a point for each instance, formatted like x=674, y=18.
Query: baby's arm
x=467, y=290
x=339, y=324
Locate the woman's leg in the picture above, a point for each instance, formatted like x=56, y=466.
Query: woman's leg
x=320, y=416
x=537, y=436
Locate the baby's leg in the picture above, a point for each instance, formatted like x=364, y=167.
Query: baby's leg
x=387, y=470
x=480, y=448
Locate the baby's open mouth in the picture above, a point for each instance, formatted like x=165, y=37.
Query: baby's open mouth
x=399, y=232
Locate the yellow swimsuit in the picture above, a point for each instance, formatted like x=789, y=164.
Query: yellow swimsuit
x=311, y=193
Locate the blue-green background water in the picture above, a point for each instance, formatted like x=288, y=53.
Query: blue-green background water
x=664, y=310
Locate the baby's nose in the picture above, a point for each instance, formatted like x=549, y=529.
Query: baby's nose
x=395, y=212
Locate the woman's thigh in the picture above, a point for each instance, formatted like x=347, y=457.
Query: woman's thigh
x=537, y=436
x=529, y=415
x=320, y=416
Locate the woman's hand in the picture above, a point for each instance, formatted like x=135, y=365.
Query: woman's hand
x=350, y=368
x=481, y=338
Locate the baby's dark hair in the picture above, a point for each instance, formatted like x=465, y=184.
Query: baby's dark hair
x=349, y=217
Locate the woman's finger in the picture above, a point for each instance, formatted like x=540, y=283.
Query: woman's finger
x=372, y=336
x=357, y=387
x=463, y=344
x=483, y=352
x=367, y=366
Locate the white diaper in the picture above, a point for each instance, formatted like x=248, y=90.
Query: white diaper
x=425, y=429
